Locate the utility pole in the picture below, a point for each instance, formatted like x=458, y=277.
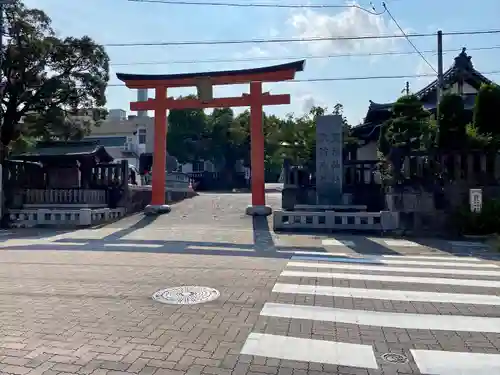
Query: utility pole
x=440, y=72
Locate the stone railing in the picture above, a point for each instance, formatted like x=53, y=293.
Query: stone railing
x=63, y=217
x=328, y=221
x=174, y=180
x=138, y=197
x=177, y=180
x=65, y=197
x=178, y=176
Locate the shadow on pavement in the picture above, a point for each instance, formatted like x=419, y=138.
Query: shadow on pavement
x=369, y=247
x=460, y=248
x=170, y=247
x=32, y=233
x=142, y=223
x=262, y=237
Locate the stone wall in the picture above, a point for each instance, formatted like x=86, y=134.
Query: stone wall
x=431, y=213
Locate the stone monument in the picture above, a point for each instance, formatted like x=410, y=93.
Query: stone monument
x=329, y=159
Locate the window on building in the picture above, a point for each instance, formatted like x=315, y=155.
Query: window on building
x=199, y=166
x=142, y=136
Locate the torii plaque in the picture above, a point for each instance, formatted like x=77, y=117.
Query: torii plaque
x=205, y=82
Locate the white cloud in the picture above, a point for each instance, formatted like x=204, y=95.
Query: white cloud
x=308, y=102
x=254, y=52
x=348, y=23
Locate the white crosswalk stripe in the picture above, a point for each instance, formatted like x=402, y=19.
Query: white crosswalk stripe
x=370, y=267
x=426, y=263
x=395, y=279
x=462, y=284
x=456, y=363
x=387, y=294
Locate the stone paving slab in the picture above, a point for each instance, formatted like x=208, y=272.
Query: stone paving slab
x=80, y=302
x=80, y=312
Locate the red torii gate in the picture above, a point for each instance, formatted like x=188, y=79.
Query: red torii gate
x=205, y=82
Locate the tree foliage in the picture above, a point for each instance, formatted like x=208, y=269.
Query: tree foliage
x=408, y=128
x=452, y=133
x=487, y=110
x=49, y=80
x=187, y=134
x=224, y=138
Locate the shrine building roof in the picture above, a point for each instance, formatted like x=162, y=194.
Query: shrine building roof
x=74, y=150
x=462, y=69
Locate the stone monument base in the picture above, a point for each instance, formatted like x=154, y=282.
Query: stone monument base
x=157, y=209
x=258, y=210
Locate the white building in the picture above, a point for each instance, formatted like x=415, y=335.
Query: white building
x=124, y=137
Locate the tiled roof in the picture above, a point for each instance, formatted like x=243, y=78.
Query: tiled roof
x=461, y=67
x=75, y=149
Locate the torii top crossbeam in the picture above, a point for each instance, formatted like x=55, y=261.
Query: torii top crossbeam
x=275, y=73
x=204, y=82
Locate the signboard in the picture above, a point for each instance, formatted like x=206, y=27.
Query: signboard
x=476, y=200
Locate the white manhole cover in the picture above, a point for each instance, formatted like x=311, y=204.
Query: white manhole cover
x=186, y=295
x=394, y=358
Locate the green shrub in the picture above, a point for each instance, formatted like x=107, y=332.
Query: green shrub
x=477, y=140
x=479, y=223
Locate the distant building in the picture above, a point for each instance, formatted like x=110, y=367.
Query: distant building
x=126, y=137
x=461, y=78
x=132, y=138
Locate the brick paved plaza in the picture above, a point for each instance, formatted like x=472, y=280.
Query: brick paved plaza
x=80, y=302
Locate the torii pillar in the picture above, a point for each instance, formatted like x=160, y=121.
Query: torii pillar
x=205, y=82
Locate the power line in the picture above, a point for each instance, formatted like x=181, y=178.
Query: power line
x=301, y=57
x=292, y=40
x=255, y=5
x=408, y=39
x=361, y=78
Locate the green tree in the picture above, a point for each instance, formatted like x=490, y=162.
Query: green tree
x=240, y=135
x=272, y=145
x=228, y=139
x=487, y=110
x=409, y=127
x=48, y=80
x=452, y=122
x=188, y=136
x=298, y=137
x=338, y=109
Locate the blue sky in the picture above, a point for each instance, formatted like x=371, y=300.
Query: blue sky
x=115, y=21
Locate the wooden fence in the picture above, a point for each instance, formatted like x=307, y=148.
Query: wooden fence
x=473, y=168
x=104, y=175
x=447, y=175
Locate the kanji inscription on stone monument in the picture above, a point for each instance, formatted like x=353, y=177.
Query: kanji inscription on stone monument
x=329, y=166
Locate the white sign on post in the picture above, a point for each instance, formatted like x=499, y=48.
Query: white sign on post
x=476, y=200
